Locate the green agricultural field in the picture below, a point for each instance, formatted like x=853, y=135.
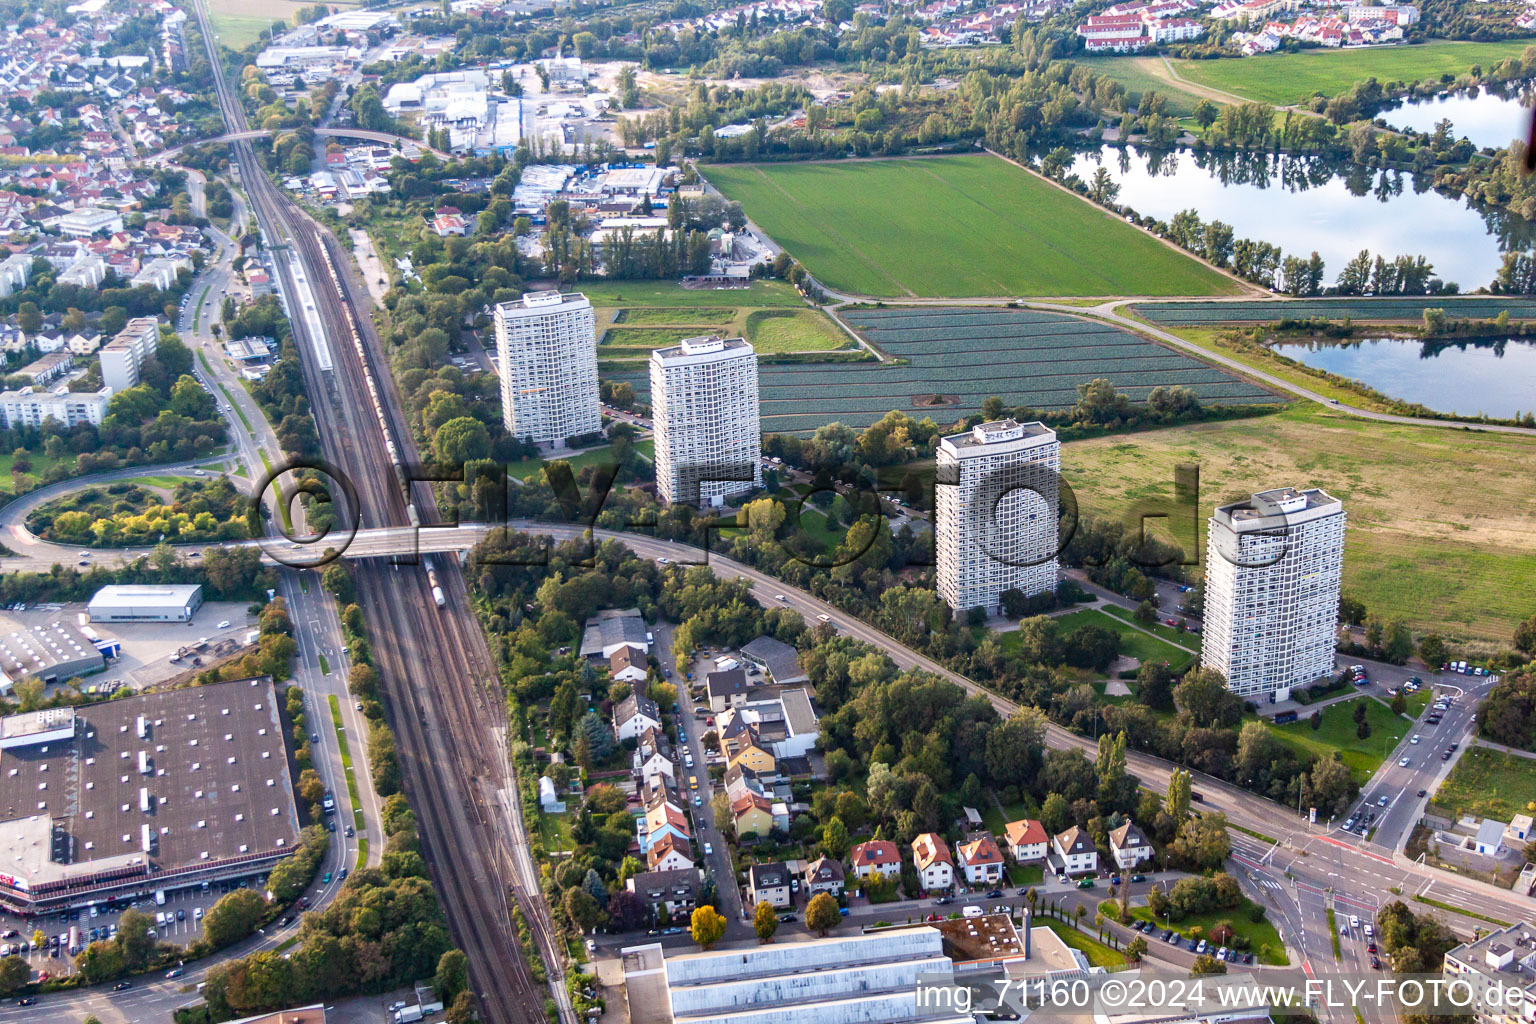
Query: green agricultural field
x=794, y=330
x=1338, y=733
x=955, y=226
x=610, y=294
x=1488, y=784
x=1133, y=642
x=1404, y=308
x=1287, y=78
x=1420, y=548
x=653, y=316
x=948, y=360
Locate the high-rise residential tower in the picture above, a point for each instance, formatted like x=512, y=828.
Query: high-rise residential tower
x=996, y=492
x=547, y=352
x=1274, y=564
x=709, y=441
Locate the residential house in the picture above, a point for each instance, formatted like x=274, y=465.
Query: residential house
x=1490, y=837
x=740, y=744
x=785, y=725
x=740, y=779
x=824, y=875
x=652, y=757
x=1128, y=846
x=752, y=813
x=980, y=860
x=627, y=664
x=878, y=856
x=935, y=866
x=633, y=715
x=1026, y=840
x=1076, y=851
x=779, y=660
x=665, y=819
x=670, y=853
x=769, y=883
x=670, y=892
x=726, y=689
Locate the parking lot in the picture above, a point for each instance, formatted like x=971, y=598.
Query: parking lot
x=183, y=908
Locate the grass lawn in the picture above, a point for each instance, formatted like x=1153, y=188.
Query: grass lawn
x=1260, y=934
x=1098, y=954
x=955, y=226
x=1488, y=784
x=525, y=468
x=1417, y=549
x=794, y=330
x=1174, y=635
x=1338, y=733
x=18, y=482
x=668, y=293
x=555, y=832
x=1026, y=874
x=1286, y=78
x=1133, y=642
x=1140, y=75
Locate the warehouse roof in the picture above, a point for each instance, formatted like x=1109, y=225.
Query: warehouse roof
x=40, y=649
x=209, y=762
x=171, y=596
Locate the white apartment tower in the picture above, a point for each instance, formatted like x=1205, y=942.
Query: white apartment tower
x=709, y=441
x=996, y=491
x=546, y=346
x=1273, y=569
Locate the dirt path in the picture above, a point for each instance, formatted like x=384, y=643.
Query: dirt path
x=1163, y=68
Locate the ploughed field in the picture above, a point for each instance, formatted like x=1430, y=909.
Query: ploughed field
x=955, y=226
x=956, y=357
x=1405, y=307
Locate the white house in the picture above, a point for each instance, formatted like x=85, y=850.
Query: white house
x=669, y=853
x=633, y=715
x=769, y=883
x=1076, y=851
x=1490, y=837
x=627, y=664
x=651, y=759
x=1519, y=829
x=876, y=856
x=1027, y=841
x=981, y=860
x=1129, y=846
x=935, y=866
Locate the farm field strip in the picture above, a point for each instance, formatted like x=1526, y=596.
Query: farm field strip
x=955, y=226
x=1196, y=313
x=1025, y=357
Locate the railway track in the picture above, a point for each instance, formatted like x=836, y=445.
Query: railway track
x=437, y=675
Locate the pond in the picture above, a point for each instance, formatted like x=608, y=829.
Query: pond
x=1306, y=203
x=1485, y=117
x=1494, y=376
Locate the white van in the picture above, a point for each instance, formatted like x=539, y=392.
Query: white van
x=972, y=911
x=159, y=897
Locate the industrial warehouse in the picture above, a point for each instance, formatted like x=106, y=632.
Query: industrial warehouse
x=138, y=603
x=52, y=653
x=158, y=791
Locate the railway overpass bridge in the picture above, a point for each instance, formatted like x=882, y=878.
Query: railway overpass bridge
x=388, y=138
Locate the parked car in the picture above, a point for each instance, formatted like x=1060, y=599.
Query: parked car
x=1086, y=883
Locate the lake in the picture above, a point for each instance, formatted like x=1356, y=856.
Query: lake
x=1307, y=203
x=1484, y=117
x=1494, y=376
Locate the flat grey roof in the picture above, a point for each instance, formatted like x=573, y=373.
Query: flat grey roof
x=36, y=651
x=218, y=783
x=171, y=596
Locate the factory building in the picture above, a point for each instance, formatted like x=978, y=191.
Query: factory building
x=125, y=798
x=53, y=653
x=175, y=602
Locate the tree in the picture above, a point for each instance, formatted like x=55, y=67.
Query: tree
x=1399, y=703
x=1363, y=730
x=1525, y=639
x=581, y=908
x=1315, y=720
x=765, y=921
x=834, y=838
x=462, y=440
x=1207, y=964
x=1179, y=797
x=1136, y=948
x=1201, y=842
x=1203, y=696
x=706, y=926
x=1154, y=686
x=627, y=911
x=462, y=1009
x=1433, y=650
x=14, y=973
x=822, y=913
x=452, y=975
x=231, y=919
